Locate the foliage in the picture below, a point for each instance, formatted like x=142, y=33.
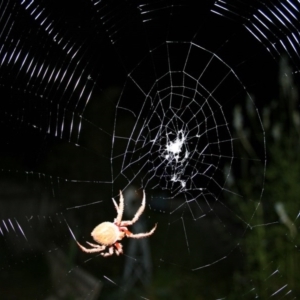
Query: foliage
x=271, y=239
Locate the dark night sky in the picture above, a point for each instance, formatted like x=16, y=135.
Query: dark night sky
x=90, y=91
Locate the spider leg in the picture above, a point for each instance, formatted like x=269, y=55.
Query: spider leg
x=92, y=250
x=119, y=248
x=115, y=204
x=96, y=246
x=109, y=253
x=140, y=235
x=137, y=214
x=120, y=209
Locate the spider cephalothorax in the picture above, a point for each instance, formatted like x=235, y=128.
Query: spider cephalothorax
x=107, y=234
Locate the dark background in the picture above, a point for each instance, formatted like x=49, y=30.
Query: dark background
x=67, y=71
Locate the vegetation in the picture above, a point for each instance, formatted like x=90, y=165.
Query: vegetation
x=271, y=243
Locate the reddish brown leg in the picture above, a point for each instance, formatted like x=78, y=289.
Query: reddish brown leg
x=124, y=229
x=119, y=248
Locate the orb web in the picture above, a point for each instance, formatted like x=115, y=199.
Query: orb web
x=103, y=96
x=179, y=137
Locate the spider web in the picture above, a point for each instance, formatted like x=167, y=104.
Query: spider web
x=102, y=96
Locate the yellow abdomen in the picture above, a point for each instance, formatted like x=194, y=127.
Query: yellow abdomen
x=106, y=233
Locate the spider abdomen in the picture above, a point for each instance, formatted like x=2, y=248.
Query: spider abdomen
x=106, y=233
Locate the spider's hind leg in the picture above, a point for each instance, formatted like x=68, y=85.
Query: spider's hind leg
x=109, y=253
x=96, y=246
x=119, y=248
x=92, y=250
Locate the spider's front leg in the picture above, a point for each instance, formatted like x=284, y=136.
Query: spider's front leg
x=137, y=214
x=140, y=235
x=125, y=230
x=119, y=209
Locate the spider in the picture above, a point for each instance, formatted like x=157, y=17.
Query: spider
x=107, y=234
